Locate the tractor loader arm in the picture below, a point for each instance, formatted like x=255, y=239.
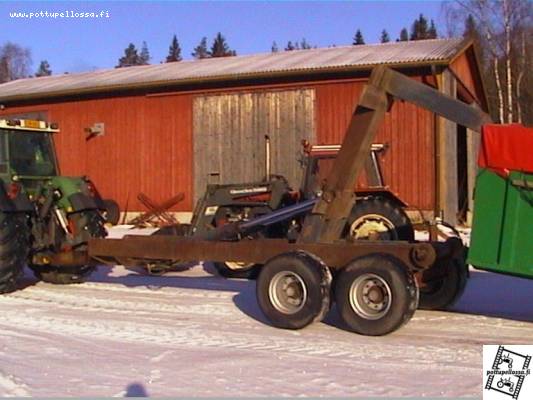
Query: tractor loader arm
x=328, y=218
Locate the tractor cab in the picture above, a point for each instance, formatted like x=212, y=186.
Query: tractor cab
x=27, y=150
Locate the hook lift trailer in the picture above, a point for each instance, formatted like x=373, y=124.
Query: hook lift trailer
x=376, y=284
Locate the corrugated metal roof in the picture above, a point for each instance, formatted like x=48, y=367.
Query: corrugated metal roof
x=257, y=65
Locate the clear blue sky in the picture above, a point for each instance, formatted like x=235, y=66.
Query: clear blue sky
x=76, y=45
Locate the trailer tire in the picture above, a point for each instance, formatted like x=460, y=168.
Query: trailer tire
x=375, y=294
x=445, y=293
x=14, y=247
x=377, y=214
x=293, y=290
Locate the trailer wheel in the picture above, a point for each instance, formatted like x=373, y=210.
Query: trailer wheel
x=293, y=290
x=14, y=246
x=380, y=218
x=444, y=293
x=375, y=295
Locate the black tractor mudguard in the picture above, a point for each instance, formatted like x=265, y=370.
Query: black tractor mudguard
x=21, y=202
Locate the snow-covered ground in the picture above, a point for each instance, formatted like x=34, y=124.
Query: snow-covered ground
x=194, y=333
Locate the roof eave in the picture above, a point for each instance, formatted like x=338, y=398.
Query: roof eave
x=220, y=78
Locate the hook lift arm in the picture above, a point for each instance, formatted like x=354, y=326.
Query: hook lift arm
x=328, y=218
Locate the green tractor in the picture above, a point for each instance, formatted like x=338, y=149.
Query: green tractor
x=45, y=219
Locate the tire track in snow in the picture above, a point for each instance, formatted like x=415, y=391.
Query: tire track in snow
x=181, y=333
x=12, y=386
x=75, y=301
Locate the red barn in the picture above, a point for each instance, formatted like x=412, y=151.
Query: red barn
x=168, y=127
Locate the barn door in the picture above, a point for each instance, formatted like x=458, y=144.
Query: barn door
x=229, y=131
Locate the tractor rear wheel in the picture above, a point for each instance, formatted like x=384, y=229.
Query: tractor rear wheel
x=237, y=270
x=112, y=211
x=377, y=218
x=443, y=293
x=14, y=247
x=90, y=224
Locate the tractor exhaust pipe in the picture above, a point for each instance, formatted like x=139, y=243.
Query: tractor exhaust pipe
x=267, y=158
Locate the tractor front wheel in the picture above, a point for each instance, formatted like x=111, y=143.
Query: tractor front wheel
x=62, y=276
x=14, y=246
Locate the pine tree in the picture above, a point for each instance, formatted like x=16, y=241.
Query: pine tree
x=130, y=57
x=44, y=69
x=274, y=47
x=220, y=47
x=404, y=35
x=358, y=38
x=144, y=57
x=174, y=51
x=201, y=51
x=384, y=36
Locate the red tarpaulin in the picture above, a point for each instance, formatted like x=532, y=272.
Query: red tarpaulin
x=506, y=148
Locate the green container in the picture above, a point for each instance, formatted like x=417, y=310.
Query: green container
x=502, y=229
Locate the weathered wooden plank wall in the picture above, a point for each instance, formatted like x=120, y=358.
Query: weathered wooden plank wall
x=229, y=130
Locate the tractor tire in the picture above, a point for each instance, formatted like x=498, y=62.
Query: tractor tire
x=375, y=295
x=444, y=293
x=93, y=223
x=237, y=270
x=14, y=248
x=62, y=276
x=377, y=217
x=112, y=211
x=293, y=290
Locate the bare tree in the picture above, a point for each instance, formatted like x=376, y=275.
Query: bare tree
x=15, y=62
x=500, y=23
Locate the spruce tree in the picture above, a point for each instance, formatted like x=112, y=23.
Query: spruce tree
x=384, y=36
x=404, y=35
x=358, y=38
x=144, y=57
x=174, y=51
x=290, y=46
x=220, y=47
x=44, y=69
x=201, y=51
x=432, y=31
x=420, y=29
x=130, y=57
x=304, y=45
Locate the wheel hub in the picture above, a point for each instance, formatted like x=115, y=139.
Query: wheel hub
x=370, y=296
x=287, y=292
x=371, y=225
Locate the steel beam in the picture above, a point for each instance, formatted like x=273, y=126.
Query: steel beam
x=416, y=256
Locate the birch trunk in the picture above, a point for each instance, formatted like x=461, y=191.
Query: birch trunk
x=499, y=89
x=507, y=25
